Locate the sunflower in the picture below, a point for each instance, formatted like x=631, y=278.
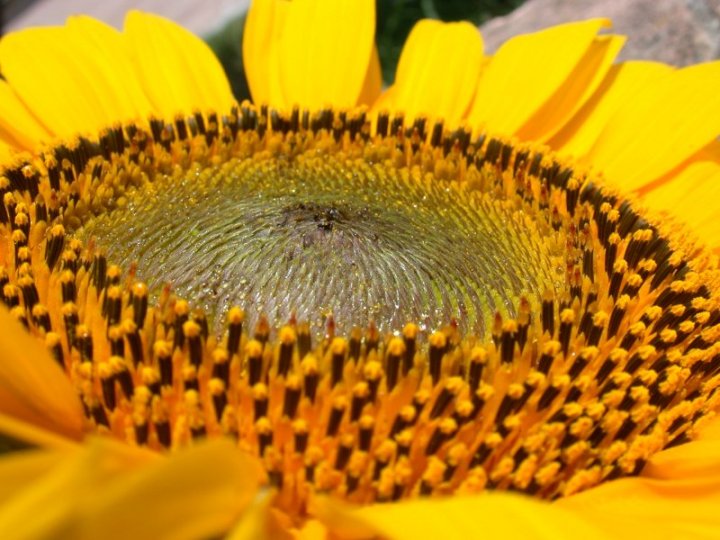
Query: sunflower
x=482, y=301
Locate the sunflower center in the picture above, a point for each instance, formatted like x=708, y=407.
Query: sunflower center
x=325, y=234
x=605, y=362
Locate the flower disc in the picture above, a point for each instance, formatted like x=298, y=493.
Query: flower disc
x=324, y=233
x=536, y=332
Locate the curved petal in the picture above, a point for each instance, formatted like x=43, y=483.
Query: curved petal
x=526, y=72
x=693, y=195
x=19, y=469
x=47, y=505
x=622, y=82
x=46, y=69
x=18, y=127
x=33, y=388
x=254, y=522
x=677, y=497
x=196, y=493
x=660, y=127
x=111, y=490
x=178, y=71
x=325, y=51
x=384, y=102
x=580, y=85
x=372, y=86
x=6, y=150
x=75, y=79
x=438, y=70
x=710, y=153
x=313, y=529
x=31, y=435
x=490, y=515
x=108, y=52
x=263, y=27
x=710, y=431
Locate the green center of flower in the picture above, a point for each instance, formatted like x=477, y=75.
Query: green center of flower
x=321, y=235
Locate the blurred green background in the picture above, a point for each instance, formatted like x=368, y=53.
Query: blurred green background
x=395, y=18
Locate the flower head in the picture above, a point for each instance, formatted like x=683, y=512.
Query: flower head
x=462, y=284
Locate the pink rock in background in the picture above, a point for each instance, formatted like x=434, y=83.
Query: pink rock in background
x=201, y=17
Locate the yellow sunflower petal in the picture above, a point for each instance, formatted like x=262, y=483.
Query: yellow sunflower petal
x=33, y=388
x=687, y=463
x=6, y=150
x=580, y=85
x=438, y=70
x=620, y=84
x=177, y=70
x=18, y=127
x=112, y=490
x=70, y=86
x=196, y=493
x=325, y=51
x=491, y=515
x=660, y=127
x=693, y=196
x=254, y=522
x=385, y=102
x=372, y=86
x=525, y=73
x=710, y=430
x=263, y=26
x=677, y=497
x=109, y=57
x=32, y=435
x=313, y=529
x=45, y=68
x=49, y=505
x=18, y=469
x=708, y=153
